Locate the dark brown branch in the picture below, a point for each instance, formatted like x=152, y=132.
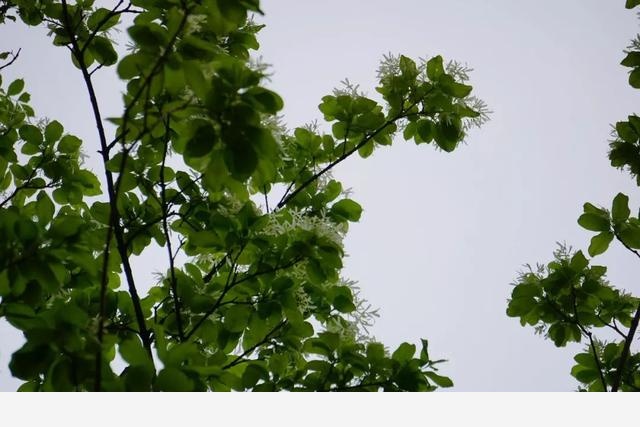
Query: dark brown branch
x=165, y=227
x=334, y=163
x=227, y=287
x=27, y=183
x=266, y=199
x=239, y=359
x=114, y=228
x=230, y=285
x=612, y=326
x=625, y=350
x=103, y=21
x=632, y=331
x=630, y=249
x=597, y=360
x=589, y=335
x=214, y=270
x=13, y=59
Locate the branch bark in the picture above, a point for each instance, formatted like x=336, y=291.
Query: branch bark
x=114, y=228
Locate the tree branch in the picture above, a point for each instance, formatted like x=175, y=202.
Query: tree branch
x=103, y=21
x=165, y=227
x=251, y=349
x=344, y=156
x=625, y=350
x=114, y=228
x=589, y=335
x=13, y=59
x=231, y=284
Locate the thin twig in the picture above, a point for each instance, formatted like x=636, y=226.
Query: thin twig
x=13, y=59
x=340, y=159
x=251, y=349
x=165, y=227
x=589, y=335
x=230, y=285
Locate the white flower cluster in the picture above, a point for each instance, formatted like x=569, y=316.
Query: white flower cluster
x=194, y=23
x=298, y=220
x=349, y=89
x=363, y=317
x=304, y=300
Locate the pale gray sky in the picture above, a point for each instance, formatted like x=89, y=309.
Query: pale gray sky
x=442, y=235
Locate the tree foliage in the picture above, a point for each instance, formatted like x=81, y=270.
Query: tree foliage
x=246, y=214
x=569, y=299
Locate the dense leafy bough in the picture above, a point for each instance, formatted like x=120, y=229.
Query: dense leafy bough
x=252, y=297
x=568, y=299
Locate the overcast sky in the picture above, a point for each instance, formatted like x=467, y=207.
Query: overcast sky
x=443, y=235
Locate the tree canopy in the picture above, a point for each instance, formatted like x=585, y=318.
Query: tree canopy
x=243, y=216
x=198, y=167
x=570, y=299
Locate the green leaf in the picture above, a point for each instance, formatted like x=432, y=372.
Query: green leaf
x=69, y=144
x=634, y=78
x=424, y=353
x=173, y=379
x=252, y=374
x=630, y=4
x=5, y=285
x=578, y=262
x=404, y=352
x=558, y=334
x=589, y=208
x=453, y=88
x=600, y=243
x=626, y=132
x=630, y=235
x=366, y=150
x=620, y=208
x=268, y=101
x=131, y=66
x=409, y=131
x=632, y=59
x=347, y=209
x=31, y=134
x=150, y=35
x=520, y=306
x=138, y=377
x=15, y=87
x=103, y=51
x=426, y=130
x=585, y=359
x=205, y=239
x=44, y=208
x=439, y=380
x=133, y=352
x=202, y=142
x=448, y=133
x=30, y=386
x=408, y=67
x=241, y=159
x=343, y=299
x=435, y=68
x=584, y=375
x=30, y=361
x=236, y=318
x=53, y=132
x=102, y=19
x=594, y=222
